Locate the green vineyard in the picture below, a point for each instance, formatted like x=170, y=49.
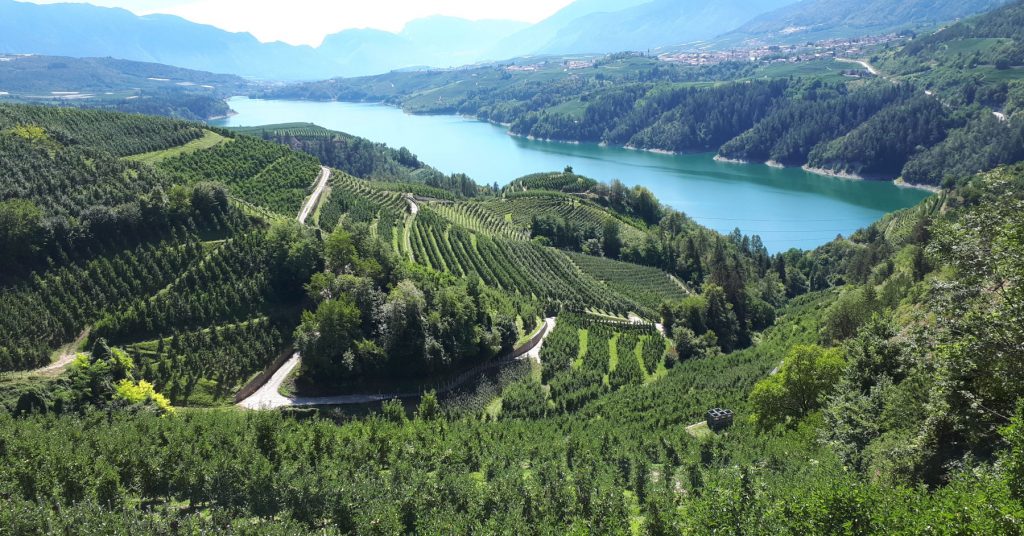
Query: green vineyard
x=228, y=284
x=259, y=172
x=585, y=358
x=355, y=200
x=521, y=208
x=203, y=367
x=648, y=286
x=52, y=308
x=475, y=217
x=519, y=267
x=202, y=331
x=556, y=182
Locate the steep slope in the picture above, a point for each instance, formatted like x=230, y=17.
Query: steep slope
x=656, y=24
x=432, y=41
x=819, y=19
x=532, y=39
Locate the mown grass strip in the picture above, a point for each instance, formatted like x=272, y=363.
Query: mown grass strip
x=209, y=140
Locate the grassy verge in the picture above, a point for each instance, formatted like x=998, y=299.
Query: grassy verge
x=209, y=139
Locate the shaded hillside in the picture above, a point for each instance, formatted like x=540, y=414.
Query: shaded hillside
x=655, y=24
x=822, y=19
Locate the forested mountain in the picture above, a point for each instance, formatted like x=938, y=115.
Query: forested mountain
x=122, y=85
x=361, y=157
x=823, y=19
x=944, y=106
x=875, y=381
x=42, y=75
x=589, y=26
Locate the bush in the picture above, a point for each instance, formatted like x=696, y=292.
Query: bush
x=807, y=374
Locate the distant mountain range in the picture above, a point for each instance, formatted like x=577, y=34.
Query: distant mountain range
x=84, y=30
x=585, y=26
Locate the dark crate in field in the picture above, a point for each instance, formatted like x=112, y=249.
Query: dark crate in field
x=719, y=419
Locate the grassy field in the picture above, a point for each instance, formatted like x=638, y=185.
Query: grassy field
x=209, y=139
x=826, y=69
x=572, y=108
x=994, y=76
x=972, y=45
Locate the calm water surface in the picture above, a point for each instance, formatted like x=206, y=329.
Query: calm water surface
x=786, y=207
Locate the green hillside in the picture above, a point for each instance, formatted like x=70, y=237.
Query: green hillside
x=929, y=109
x=819, y=19
x=115, y=84
x=157, y=267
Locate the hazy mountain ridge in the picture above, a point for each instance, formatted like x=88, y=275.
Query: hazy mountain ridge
x=46, y=74
x=815, y=19
x=529, y=40
x=435, y=41
x=83, y=30
x=656, y=24
x=585, y=26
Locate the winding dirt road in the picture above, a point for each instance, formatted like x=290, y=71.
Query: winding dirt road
x=325, y=175
x=862, y=63
x=68, y=354
x=414, y=208
x=269, y=396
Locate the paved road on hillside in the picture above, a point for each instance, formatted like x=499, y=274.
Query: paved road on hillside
x=325, y=175
x=270, y=397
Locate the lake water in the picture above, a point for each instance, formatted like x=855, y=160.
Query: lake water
x=786, y=207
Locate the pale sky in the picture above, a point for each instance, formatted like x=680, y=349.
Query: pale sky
x=306, y=22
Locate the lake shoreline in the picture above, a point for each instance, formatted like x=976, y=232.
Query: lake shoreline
x=665, y=152
x=898, y=182
x=719, y=197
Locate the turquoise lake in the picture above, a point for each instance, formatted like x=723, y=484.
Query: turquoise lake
x=786, y=207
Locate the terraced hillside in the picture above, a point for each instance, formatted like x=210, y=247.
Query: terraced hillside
x=650, y=287
x=153, y=252
x=261, y=173
x=520, y=208
x=875, y=381
x=481, y=238
x=520, y=267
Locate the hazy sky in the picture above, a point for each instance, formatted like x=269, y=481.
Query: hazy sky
x=306, y=22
